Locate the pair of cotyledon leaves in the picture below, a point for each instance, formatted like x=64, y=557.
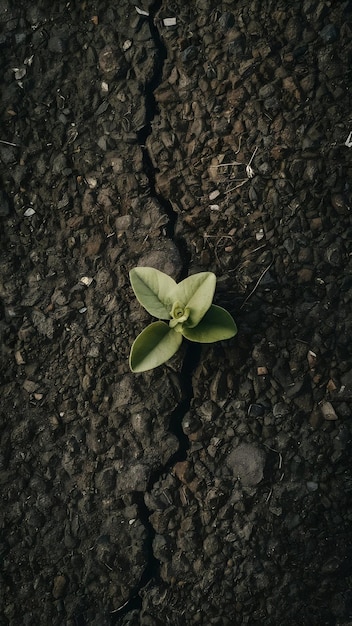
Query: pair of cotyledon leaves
x=188, y=308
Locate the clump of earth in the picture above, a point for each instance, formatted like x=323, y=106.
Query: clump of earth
x=215, y=489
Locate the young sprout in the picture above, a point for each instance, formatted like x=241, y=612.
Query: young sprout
x=188, y=310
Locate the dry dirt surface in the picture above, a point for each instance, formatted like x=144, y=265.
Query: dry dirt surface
x=186, y=136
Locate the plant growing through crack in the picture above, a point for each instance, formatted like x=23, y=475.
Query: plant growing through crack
x=187, y=307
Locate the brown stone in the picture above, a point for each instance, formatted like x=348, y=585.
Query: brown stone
x=59, y=586
x=93, y=245
x=305, y=275
x=181, y=470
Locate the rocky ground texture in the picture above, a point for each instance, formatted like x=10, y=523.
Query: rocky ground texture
x=187, y=136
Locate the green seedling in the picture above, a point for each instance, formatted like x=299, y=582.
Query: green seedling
x=187, y=307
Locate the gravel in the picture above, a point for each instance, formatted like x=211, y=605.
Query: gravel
x=216, y=488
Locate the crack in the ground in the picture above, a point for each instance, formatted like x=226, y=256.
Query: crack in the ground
x=191, y=359
x=143, y=133
x=151, y=571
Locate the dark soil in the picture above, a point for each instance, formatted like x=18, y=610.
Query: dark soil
x=215, y=489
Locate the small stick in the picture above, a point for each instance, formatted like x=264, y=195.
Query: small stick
x=256, y=285
x=268, y=496
x=247, y=254
x=226, y=164
x=253, y=155
x=237, y=186
x=9, y=143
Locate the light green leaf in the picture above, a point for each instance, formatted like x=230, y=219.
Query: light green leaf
x=196, y=292
x=153, y=289
x=154, y=345
x=216, y=325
